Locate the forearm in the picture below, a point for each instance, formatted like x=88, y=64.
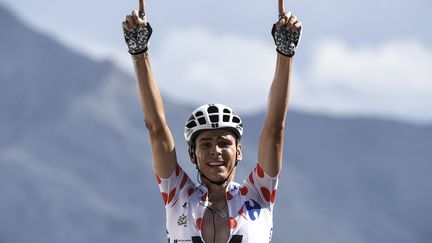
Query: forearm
x=279, y=93
x=150, y=97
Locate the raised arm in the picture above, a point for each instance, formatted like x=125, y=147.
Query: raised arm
x=137, y=33
x=286, y=34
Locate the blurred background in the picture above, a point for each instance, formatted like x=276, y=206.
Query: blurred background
x=75, y=164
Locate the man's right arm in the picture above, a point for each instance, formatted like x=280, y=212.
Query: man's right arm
x=162, y=142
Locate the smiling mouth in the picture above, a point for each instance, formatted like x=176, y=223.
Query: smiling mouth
x=215, y=164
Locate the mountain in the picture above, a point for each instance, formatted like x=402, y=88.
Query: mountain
x=75, y=164
x=71, y=169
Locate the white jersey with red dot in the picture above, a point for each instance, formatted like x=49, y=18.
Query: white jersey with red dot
x=250, y=207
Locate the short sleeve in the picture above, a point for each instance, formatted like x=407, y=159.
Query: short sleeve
x=176, y=185
x=265, y=185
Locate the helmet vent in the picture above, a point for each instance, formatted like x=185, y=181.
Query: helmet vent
x=212, y=109
x=191, y=124
x=214, y=118
x=235, y=119
x=201, y=120
x=226, y=118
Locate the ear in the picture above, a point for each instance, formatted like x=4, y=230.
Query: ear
x=239, y=152
x=191, y=152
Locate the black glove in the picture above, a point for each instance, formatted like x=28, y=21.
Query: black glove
x=285, y=40
x=138, y=39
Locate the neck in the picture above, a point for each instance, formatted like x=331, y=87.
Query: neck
x=216, y=192
x=217, y=195
x=216, y=189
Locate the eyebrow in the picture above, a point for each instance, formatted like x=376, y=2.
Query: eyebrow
x=210, y=138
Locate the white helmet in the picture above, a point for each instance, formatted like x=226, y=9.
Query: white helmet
x=212, y=116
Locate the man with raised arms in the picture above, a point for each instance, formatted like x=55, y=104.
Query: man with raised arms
x=216, y=209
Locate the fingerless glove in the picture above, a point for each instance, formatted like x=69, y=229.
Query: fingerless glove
x=138, y=39
x=286, y=41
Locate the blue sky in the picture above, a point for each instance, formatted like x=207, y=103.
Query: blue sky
x=356, y=57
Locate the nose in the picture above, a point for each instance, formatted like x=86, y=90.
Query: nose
x=216, y=150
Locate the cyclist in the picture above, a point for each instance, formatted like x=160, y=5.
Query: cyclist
x=217, y=209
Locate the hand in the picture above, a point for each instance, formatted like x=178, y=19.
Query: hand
x=286, y=32
x=137, y=31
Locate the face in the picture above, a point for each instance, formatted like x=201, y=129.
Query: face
x=216, y=153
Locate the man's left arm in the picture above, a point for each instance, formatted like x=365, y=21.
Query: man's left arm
x=286, y=33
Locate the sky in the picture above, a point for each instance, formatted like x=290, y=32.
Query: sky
x=356, y=58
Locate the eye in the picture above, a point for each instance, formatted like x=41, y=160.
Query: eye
x=224, y=143
x=205, y=145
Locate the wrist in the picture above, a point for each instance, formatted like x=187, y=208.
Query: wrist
x=140, y=57
x=284, y=57
x=283, y=60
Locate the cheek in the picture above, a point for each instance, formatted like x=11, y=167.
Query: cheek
x=200, y=155
x=230, y=153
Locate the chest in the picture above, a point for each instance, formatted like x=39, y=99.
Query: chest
x=246, y=220
x=215, y=227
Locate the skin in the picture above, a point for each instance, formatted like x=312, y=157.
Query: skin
x=216, y=144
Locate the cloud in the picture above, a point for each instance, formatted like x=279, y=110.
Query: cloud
x=388, y=80
x=200, y=66
x=391, y=79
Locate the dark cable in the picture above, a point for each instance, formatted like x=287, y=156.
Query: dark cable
x=214, y=227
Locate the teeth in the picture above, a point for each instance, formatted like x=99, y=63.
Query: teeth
x=216, y=163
